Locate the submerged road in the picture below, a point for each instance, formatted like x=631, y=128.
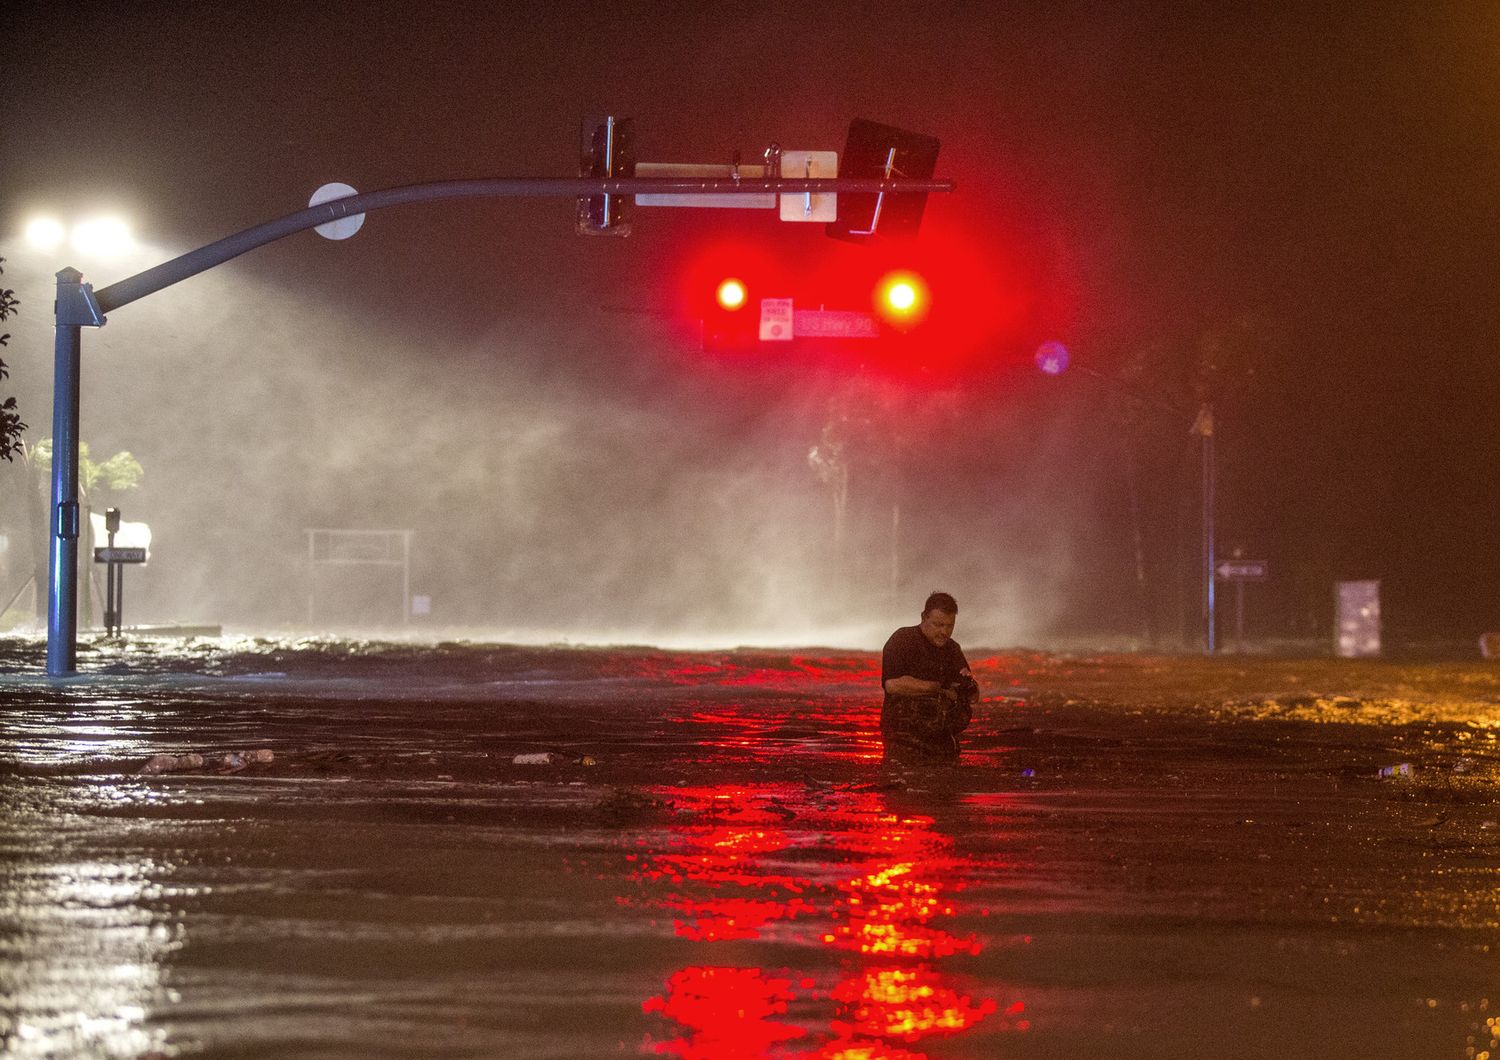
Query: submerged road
x=1136, y=857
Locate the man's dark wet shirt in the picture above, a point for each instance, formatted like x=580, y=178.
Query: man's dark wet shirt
x=923, y=727
x=909, y=653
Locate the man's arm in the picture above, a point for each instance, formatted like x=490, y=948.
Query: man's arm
x=898, y=660
x=965, y=671
x=911, y=686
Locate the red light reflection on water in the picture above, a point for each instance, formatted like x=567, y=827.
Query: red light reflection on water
x=724, y=857
x=880, y=914
x=741, y=669
x=889, y=909
x=730, y=1011
x=804, y=704
x=837, y=728
x=907, y=1004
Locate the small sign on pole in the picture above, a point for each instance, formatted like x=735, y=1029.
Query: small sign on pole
x=1243, y=570
x=125, y=543
x=775, y=320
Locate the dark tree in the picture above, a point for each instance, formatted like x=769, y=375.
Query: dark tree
x=10, y=420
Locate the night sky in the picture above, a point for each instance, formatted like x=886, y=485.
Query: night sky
x=1300, y=196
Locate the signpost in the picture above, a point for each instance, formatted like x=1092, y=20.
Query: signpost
x=114, y=557
x=1241, y=571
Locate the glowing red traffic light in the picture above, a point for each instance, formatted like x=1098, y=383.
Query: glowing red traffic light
x=731, y=294
x=902, y=298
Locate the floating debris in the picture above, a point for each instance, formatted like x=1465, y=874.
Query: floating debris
x=629, y=805
x=158, y=764
x=230, y=762
x=553, y=758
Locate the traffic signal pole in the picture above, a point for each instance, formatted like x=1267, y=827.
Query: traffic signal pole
x=79, y=306
x=75, y=308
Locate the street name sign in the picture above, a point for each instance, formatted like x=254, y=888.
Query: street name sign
x=834, y=324
x=802, y=165
x=704, y=172
x=1243, y=570
x=119, y=555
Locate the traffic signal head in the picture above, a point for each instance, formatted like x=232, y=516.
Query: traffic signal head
x=881, y=152
x=730, y=316
x=779, y=316
x=731, y=294
x=902, y=299
x=901, y=296
x=951, y=306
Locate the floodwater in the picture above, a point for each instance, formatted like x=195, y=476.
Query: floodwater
x=1134, y=858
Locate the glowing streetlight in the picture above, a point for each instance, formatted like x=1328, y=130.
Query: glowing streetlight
x=102, y=237
x=45, y=233
x=97, y=237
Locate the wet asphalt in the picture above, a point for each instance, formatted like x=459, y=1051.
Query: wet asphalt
x=1135, y=857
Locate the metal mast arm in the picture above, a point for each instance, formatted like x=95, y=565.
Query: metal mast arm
x=190, y=264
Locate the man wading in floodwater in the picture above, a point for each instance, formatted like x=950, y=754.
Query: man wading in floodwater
x=927, y=687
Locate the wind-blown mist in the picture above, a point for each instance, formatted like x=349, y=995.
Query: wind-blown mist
x=579, y=476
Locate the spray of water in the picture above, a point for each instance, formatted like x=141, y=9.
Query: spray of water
x=570, y=478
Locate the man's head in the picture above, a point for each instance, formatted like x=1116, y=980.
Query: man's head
x=939, y=614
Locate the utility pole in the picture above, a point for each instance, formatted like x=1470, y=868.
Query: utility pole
x=1203, y=426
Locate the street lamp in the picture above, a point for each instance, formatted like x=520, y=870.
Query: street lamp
x=45, y=233
x=102, y=237
x=96, y=237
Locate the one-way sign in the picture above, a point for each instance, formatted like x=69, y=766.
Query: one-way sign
x=1243, y=570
